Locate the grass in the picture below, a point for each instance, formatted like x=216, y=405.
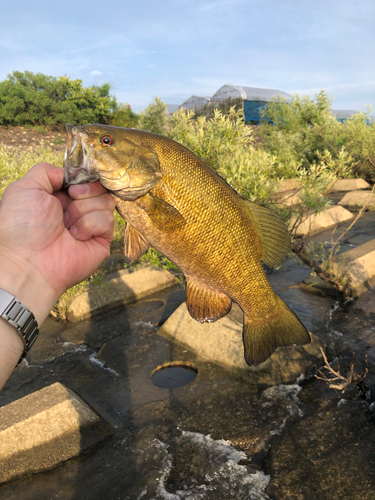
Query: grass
x=15, y=163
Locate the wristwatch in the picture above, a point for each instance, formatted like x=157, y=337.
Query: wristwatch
x=21, y=318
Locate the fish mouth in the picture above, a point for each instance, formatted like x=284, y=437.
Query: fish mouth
x=77, y=161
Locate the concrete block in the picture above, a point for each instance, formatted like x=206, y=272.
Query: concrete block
x=123, y=287
x=288, y=198
x=221, y=343
x=316, y=223
x=45, y=428
x=357, y=199
x=358, y=265
x=350, y=185
x=289, y=185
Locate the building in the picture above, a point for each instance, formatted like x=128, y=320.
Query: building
x=252, y=99
x=342, y=115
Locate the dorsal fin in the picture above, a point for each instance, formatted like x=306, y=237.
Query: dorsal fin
x=272, y=232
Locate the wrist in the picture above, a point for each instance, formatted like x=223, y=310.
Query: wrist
x=26, y=283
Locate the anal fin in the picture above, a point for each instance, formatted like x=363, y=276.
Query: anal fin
x=135, y=245
x=204, y=304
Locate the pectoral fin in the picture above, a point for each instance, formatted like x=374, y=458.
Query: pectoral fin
x=272, y=232
x=135, y=245
x=164, y=217
x=204, y=304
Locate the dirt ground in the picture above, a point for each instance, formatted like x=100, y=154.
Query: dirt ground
x=28, y=138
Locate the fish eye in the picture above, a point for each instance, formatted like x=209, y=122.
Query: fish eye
x=107, y=140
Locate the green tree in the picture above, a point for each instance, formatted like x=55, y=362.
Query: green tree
x=154, y=117
x=37, y=99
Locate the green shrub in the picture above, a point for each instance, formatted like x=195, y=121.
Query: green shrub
x=30, y=99
x=124, y=117
x=154, y=117
x=303, y=129
x=227, y=145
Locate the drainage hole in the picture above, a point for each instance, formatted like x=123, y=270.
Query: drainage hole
x=169, y=376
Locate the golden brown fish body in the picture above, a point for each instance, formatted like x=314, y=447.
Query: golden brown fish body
x=174, y=201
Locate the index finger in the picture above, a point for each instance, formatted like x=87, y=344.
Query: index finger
x=88, y=190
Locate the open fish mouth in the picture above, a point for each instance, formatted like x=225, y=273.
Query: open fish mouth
x=77, y=163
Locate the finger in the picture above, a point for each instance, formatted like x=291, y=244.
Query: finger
x=98, y=223
x=88, y=190
x=64, y=198
x=78, y=208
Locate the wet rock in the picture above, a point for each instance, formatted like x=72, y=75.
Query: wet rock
x=319, y=222
x=355, y=200
x=338, y=461
x=350, y=185
x=221, y=343
x=366, y=302
x=358, y=265
x=289, y=185
x=120, y=288
x=45, y=428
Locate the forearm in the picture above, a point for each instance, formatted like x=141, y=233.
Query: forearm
x=28, y=286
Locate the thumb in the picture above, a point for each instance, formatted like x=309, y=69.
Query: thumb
x=42, y=176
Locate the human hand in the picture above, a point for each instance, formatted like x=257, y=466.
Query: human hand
x=49, y=239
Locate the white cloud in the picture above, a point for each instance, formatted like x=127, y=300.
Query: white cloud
x=96, y=72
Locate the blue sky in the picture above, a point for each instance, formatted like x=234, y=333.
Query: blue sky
x=177, y=48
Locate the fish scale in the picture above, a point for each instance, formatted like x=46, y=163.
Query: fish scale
x=174, y=201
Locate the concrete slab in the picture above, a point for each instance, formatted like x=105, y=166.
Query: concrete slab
x=45, y=428
x=123, y=287
x=288, y=185
x=314, y=223
x=288, y=198
x=360, y=239
x=221, y=343
x=355, y=200
x=358, y=265
x=350, y=185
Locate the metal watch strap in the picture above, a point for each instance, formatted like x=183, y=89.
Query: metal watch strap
x=21, y=318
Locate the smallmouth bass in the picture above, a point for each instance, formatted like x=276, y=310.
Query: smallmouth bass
x=174, y=201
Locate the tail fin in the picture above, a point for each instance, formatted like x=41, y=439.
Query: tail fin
x=282, y=328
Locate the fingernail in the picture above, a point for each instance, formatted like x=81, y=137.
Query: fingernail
x=73, y=230
x=66, y=218
x=80, y=189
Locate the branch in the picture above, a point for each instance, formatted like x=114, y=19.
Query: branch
x=350, y=378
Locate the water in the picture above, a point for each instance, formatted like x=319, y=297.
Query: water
x=172, y=376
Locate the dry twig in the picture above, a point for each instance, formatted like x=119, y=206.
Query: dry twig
x=338, y=381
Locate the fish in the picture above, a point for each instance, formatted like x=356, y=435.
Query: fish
x=175, y=202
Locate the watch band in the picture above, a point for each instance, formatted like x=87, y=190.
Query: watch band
x=21, y=318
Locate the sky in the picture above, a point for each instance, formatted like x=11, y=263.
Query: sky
x=174, y=49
